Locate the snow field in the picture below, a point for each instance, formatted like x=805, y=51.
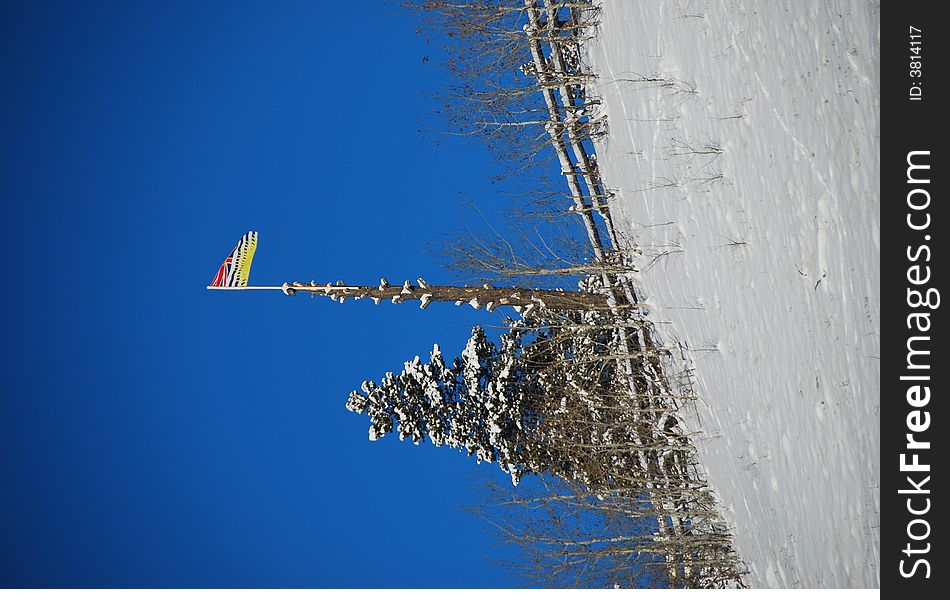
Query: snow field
x=743, y=150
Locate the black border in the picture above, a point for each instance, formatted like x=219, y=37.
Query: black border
x=908, y=125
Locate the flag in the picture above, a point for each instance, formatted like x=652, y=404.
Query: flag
x=237, y=266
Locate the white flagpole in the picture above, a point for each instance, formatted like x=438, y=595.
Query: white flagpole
x=291, y=288
x=246, y=287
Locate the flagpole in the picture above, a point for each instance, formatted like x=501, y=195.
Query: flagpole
x=246, y=287
x=523, y=300
x=291, y=288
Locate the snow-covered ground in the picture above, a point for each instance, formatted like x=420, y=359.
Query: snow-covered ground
x=748, y=169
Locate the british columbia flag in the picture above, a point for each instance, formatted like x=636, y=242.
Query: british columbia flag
x=236, y=269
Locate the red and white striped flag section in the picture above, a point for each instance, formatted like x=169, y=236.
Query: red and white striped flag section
x=236, y=269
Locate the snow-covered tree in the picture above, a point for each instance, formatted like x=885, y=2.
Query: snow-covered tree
x=479, y=403
x=552, y=397
x=499, y=403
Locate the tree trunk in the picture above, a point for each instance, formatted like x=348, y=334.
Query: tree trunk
x=523, y=300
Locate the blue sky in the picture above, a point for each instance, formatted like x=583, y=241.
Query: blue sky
x=153, y=433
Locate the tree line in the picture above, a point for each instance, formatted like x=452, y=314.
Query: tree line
x=576, y=401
